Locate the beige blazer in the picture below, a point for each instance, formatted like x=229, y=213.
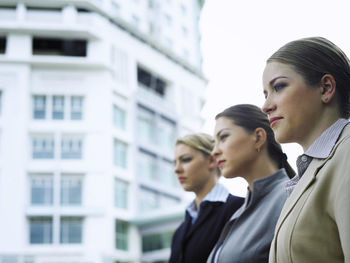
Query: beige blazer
x=314, y=225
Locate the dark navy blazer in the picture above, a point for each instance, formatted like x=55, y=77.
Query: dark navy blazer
x=193, y=243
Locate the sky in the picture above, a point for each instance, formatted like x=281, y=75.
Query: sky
x=237, y=36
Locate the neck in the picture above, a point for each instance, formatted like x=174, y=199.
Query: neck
x=324, y=123
x=201, y=193
x=262, y=168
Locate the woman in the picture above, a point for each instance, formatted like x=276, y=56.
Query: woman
x=213, y=205
x=245, y=147
x=307, y=89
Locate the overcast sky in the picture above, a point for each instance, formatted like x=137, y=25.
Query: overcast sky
x=237, y=38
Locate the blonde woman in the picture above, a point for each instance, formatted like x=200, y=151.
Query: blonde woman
x=197, y=171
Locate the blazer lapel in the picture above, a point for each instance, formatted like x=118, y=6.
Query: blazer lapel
x=204, y=213
x=305, y=182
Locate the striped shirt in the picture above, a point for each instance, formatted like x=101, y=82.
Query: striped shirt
x=217, y=194
x=320, y=149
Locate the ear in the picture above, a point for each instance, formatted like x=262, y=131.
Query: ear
x=328, y=88
x=260, y=138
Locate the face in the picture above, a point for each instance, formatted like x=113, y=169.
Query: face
x=293, y=107
x=193, y=169
x=234, y=148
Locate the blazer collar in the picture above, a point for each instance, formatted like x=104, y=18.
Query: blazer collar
x=307, y=180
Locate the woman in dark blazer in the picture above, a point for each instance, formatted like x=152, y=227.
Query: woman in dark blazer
x=197, y=171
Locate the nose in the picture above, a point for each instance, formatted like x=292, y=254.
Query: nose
x=177, y=168
x=216, y=150
x=268, y=106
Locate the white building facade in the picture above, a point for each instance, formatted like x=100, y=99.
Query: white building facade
x=93, y=94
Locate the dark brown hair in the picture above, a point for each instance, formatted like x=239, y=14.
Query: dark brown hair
x=250, y=117
x=314, y=57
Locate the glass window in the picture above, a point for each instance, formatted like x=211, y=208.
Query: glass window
x=146, y=165
x=71, y=147
x=157, y=241
x=166, y=173
x=59, y=47
x=39, y=107
x=121, y=235
x=42, y=147
x=76, y=108
x=166, y=201
x=71, y=190
x=40, y=230
x=58, y=107
x=71, y=230
x=167, y=134
x=0, y=102
x=119, y=117
x=121, y=194
x=148, y=200
x=2, y=45
x=41, y=189
x=145, y=125
x=120, y=153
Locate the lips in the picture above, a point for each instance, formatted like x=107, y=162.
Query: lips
x=221, y=163
x=181, y=179
x=274, y=120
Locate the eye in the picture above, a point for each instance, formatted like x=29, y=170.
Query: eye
x=223, y=137
x=277, y=87
x=187, y=159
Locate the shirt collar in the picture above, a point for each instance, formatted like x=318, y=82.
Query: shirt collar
x=264, y=185
x=323, y=145
x=217, y=194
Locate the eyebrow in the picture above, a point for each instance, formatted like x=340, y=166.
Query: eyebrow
x=182, y=156
x=278, y=77
x=219, y=132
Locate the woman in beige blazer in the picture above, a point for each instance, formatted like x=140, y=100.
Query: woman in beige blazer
x=307, y=89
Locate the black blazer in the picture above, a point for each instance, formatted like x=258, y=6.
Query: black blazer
x=193, y=243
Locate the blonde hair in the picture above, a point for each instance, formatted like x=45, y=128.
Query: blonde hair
x=199, y=141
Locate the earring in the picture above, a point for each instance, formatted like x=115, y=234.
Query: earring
x=325, y=99
x=258, y=149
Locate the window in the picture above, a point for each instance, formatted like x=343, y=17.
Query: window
x=2, y=45
x=151, y=82
x=71, y=230
x=119, y=117
x=146, y=165
x=40, y=230
x=183, y=9
x=76, y=111
x=0, y=102
x=146, y=125
x=184, y=31
x=120, y=194
x=39, y=107
x=135, y=20
x=71, y=190
x=121, y=235
x=41, y=189
x=168, y=20
x=151, y=200
x=120, y=153
x=148, y=200
x=58, y=108
x=157, y=241
x=59, y=47
x=166, y=174
x=43, y=147
x=167, y=134
x=71, y=147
